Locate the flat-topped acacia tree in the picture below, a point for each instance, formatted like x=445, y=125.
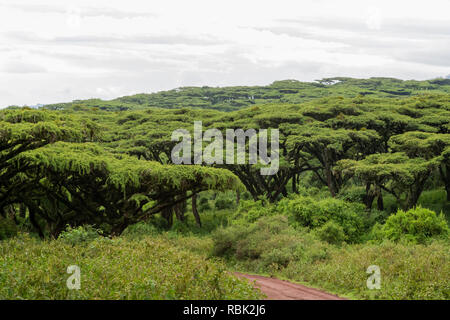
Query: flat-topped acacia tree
x=320, y=148
x=429, y=146
x=84, y=184
x=395, y=173
x=24, y=130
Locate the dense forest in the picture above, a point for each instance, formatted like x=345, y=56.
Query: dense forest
x=363, y=179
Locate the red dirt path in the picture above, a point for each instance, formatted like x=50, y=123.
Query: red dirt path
x=276, y=289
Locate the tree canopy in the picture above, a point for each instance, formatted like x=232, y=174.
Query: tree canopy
x=108, y=163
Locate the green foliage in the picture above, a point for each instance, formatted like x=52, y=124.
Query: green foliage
x=331, y=232
x=235, y=98
x=250, y=211
x=79, y=235
x=313, y=213
x=113, y=269
x=267, y=244
x=101, y=183
x=108, y=164
x=8, y=228
x=377, y=135
x=408, y=272
x=417, y=225
x=203, y=204
x=224, y=201
x=270, y=245
x=353, y=194
x=140, y=230
x=435, y=200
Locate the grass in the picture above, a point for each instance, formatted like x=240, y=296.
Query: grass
x=150, y=268
x=407, y=271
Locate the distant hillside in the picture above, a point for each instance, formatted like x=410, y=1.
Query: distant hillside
x=286, y=91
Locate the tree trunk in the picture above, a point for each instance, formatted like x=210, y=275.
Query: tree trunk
x=36, y=225
x=180, y=209
x=445, y=175
x=167, y=214
x=369, y=197
x=330, y=184
x=413, y=197
x=195, y=211
x=380, y=204
x=294, y=183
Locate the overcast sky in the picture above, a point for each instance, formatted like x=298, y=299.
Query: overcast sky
x=57, y=50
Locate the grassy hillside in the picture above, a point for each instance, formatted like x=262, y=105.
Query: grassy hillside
x=286, y=91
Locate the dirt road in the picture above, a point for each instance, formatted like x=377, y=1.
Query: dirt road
x=276, y=289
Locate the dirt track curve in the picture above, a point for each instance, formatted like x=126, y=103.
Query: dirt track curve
x=276, y=289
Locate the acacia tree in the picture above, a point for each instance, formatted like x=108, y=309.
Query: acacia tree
x=84, y=184
x=395, y=173
x=24, y=130
x=320, y=148
x=267, y=117
x=427, y=146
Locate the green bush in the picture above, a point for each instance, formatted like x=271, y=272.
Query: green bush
x=249, y=211
x=246, y=196
x=211, y=220
x=140, y=230
x=331, y=232
x=79, y=235
x=203, y=204
x=267, y=244
x=226, y=240
x=313, y=213
x=8, y=228
x=417, y=225
x=223, y=203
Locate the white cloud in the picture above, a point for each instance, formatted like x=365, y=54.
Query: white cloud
x=22, y=67
x=59, y=50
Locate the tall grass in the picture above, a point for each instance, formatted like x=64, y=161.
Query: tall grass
x=407, y=271
x=119, y=268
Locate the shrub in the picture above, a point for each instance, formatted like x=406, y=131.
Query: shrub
x=224, y=203
x=266, y=244
x=140, y=230
x=277, y=257
x=203, y=204
x=79, y=235
x=313, y=213
x=246, y=195
x=249, y=211
x=331, y=232
x=226, y=239
x=416, y=225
